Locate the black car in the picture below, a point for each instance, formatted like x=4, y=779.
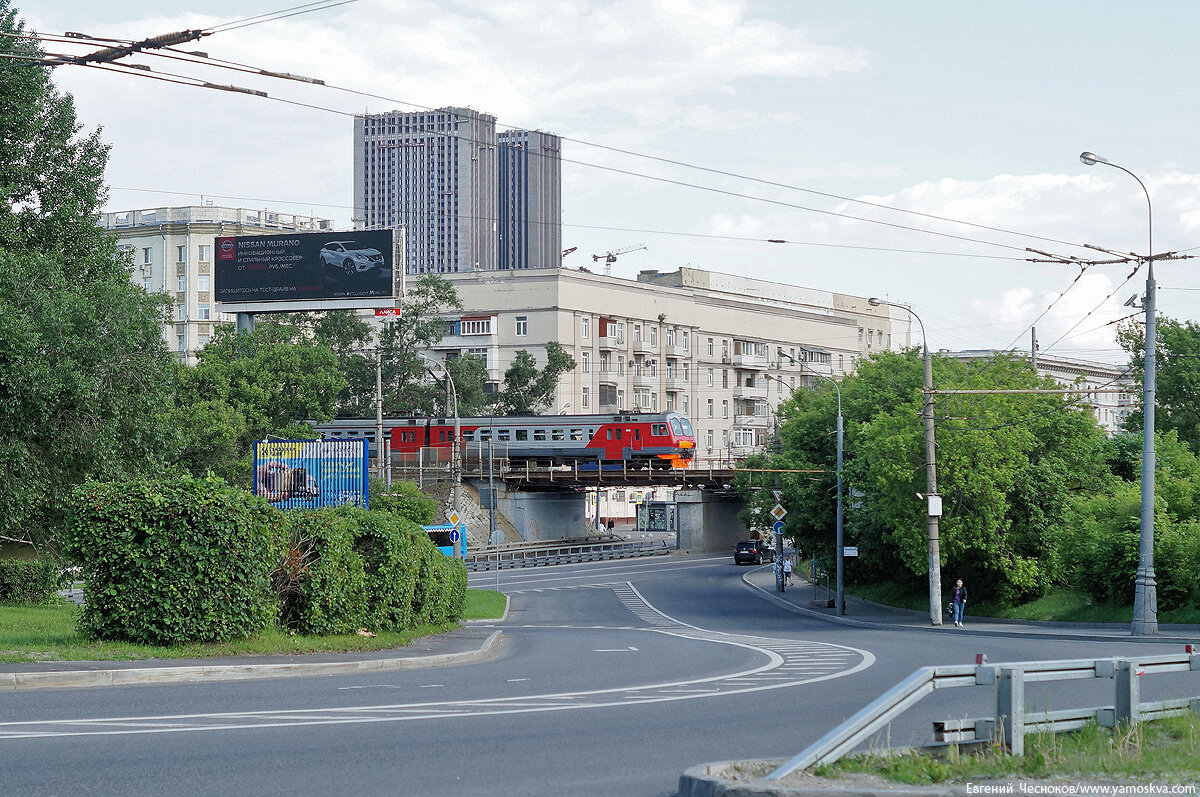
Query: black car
x=753, y=552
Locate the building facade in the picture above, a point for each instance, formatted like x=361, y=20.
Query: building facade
x=702, y=343
x=469, y=199
x=530, y=199
x=171, y=250
x=1109, y=390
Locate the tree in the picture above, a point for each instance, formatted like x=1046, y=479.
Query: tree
x=1177, y=377
x=529, y=390
x=406, y=388
x=84, y=372
x=350, y=338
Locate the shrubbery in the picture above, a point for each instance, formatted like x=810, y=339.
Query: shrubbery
x=184, y=559
x=173, y=560
x=27, y=580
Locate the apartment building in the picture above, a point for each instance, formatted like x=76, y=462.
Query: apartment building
x=698, y=342
x=172, y=252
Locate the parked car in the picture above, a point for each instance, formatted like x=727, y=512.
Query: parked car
x=350, y=257
x=753, y=552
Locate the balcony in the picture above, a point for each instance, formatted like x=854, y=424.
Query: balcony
x=644, y=379
x=610, y=342
x=676, y=383
x=758, y=361
x=749, y=393
x=644, y=347
x=759, y=421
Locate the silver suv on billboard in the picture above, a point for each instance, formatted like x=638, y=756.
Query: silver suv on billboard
x=350, y=257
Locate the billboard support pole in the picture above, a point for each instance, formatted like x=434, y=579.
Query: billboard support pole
x=245, y=322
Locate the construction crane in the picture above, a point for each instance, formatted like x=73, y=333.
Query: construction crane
x=610, y=257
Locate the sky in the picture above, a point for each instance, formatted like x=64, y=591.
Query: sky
x=840, y=128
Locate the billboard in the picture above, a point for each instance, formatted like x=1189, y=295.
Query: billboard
x=304, y=266
x=307, y=474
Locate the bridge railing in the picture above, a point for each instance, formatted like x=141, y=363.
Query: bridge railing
x=1010, y=721
x=550, y=553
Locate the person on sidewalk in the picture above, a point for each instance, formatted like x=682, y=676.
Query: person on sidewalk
x=787, y=571
x=959, y=602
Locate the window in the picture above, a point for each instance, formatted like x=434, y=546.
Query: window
x=724, y=438
x=585, y=328
x=205, y=253
x=481, y=354
x=685, y=405
x=724, y=409
x=202, y=282
x=658, y=429
x=710, y=377
x=182, y=343
x=586, y=398
x=203, y=313
x=686, y=343
x=708, y=438
x=724, y=348
x=585, y=362
x=870, y=338
x=724, y=377
x=557, y=434
x=147, y=283
x=523, y=326
x=503, y=435
x=710, y=408
x=889, y=340
x=477, y=326
x=181, y=254
x=202, y=340
x=181, y=312
x=576, y=434
x=181, y=283
x=654, y=402
x=620, y=327
x=620, y=364
x=147, y=256
x=539, y=435
x=653, y=336
x=710, y=346
x=670, y=336
x=620, y=399
x=653, y=366
x=637, y=333
x=860, y=335
x=605, y=363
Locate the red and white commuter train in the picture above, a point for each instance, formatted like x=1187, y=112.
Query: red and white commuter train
x=655, y=440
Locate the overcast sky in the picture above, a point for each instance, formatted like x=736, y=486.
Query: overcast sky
x=975, y=112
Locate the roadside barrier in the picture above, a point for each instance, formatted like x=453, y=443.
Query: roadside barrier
x=541, y=554
x=1010, y=721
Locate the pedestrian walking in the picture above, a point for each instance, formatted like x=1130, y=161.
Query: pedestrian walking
x=787, y=571
x=959, y=602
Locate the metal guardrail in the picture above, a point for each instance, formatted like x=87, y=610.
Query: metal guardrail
x=558, y=554
x=1010, y=722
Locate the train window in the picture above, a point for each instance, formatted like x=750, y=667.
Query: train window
x=618, y=434
x=675, y=426
x=637, y=434
x=503, y=435
x=442, y=435
x=658, y=429
x=468, y=435
x=576, y=434
x=556, y=434
x=610, y=434
x=485, y=435
x=539, y=435
x=522, y=435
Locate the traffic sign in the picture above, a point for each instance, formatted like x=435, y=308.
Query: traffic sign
x=453, y=517
x=455, y=535
x=778, y=527
x=850, y=550
x=778, y=495
x=778, y=512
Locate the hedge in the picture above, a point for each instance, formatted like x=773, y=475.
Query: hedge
x=171, y=561
x=27, y=580
x=321, y=582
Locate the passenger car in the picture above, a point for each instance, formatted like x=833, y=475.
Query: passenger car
x=753, y=552
x=350, y=257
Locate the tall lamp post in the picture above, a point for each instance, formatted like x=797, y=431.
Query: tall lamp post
x=841, y=599
x=455, y=455
x=1145, y=591
x=933, y=502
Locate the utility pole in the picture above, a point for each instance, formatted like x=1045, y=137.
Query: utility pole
x=1033, y=347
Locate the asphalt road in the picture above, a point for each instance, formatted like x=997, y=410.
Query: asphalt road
x=613, y=679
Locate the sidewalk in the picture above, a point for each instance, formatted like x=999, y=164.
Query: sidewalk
x=866, y=614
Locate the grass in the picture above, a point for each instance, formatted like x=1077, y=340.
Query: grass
x=1165, y=750
x=1062, y=605
x=47, y=633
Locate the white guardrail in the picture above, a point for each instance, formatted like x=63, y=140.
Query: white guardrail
x=1009, y=722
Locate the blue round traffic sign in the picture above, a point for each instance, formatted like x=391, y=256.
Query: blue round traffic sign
x=778, y=527
x=455, y=536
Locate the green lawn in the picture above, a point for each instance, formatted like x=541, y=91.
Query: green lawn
x=47, y=633
x=1167, y=751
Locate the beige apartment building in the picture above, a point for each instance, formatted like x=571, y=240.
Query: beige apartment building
x=172, y=252
x=698, y=342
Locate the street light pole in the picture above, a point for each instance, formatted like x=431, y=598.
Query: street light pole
x=455, y=453
x=933, y=502
x=1145, y=590
x=841, y=541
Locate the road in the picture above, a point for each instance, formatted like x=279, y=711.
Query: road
x=613, y=678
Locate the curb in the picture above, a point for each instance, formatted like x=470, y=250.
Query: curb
x=75, y=679
x=1051, y=634
x=705, y=780
x=500, y=619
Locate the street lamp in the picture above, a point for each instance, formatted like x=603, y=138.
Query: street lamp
x=455, y=456
x=841, y=601
x=1145, y=591
x=932, y=500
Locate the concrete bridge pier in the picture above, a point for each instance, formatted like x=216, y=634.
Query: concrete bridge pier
x=540, y=516
x=707, y=521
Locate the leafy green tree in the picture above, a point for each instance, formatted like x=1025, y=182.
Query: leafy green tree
x=406, y=389
x=528, y=390
x=84, y=373
x=350, y=338
x=1177, y=376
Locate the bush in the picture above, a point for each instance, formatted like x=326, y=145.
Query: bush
x=388, y=546
x=173, y=560
x=320, y=580
x=441, y=587
x=404, y=499
x=27, y=580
